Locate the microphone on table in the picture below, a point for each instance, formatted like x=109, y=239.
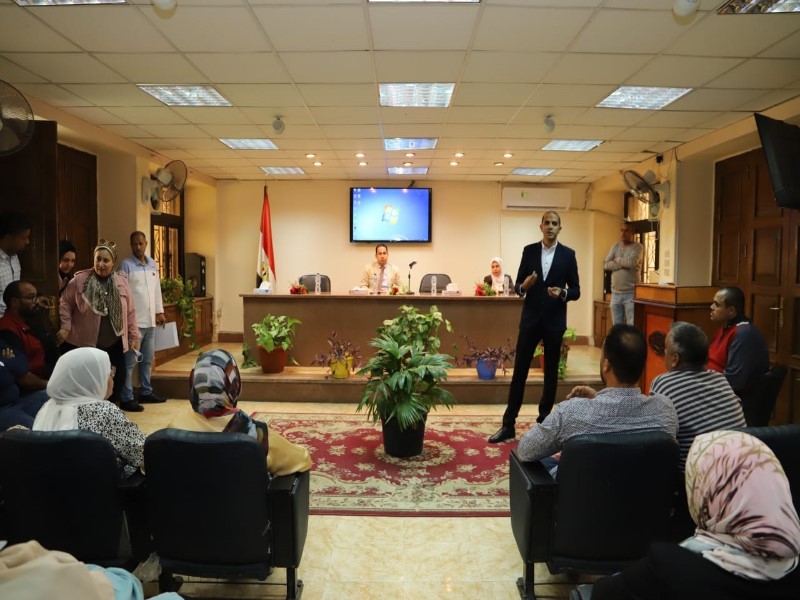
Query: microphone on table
x=410, y=266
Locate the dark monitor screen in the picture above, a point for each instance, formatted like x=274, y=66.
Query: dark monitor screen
x=780, y=142
x=390, y=215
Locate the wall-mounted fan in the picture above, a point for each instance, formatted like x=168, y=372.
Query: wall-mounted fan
x=16, y=120
x=646, y=188
x=165, y=185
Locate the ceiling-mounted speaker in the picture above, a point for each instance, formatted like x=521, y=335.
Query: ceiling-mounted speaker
x=277, y=125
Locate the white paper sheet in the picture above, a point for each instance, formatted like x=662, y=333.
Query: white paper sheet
x=166, y=336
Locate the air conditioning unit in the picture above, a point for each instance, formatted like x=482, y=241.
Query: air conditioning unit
x=536, y=198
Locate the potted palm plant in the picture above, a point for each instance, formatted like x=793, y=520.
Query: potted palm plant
x=274, y=336
x=404, y=376
x=341, y=359
x=487, y=360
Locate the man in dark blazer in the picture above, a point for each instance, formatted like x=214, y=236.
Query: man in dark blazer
x=548, y=279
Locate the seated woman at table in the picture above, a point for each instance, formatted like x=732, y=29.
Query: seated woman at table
x=496, y=278
x=748, y=535
x=79, y=387
x=214, y=385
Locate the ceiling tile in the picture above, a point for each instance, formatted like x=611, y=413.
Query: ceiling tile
x=395, y=115
x=173, y=131
x=609, y=116
x=232, y=131
x=211, y=29
x=527, y=29
x=759, y=73
x=297, y=115
x=261, y=94
x=513, y=67
x=627, y=31
x=52, y=94
x=488, y=94
x=569, y=95
x=789, y=47
x=734, y=35
x=12, y=73
x=767, y=101
x=682, y=71
x=354, y=94
x=121, y=94
x=148, y=115
x=97, y=116
x=127, y=131
x=431, y=67
x=397, y=28
x=309, y=28
x=67, y=68
x=212, y=115
x=340, y=115
x=595, y=68
x=329, y=67
x=153, y=68
x=677, y=118
x=21, y=31
x=716, y=99
x=237, y=67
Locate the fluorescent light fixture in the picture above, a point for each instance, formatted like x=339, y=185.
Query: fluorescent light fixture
x=283, y=170
x=65, y=2
x=757, y=7
x=185, y=95
x=407, y=170
x=410, y=143
x=572, y=145
x=248, y=143
x=644, y=98
x=532, y=172
x=438, y=1
x=426, y=95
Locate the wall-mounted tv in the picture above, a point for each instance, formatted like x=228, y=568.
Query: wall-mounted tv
x=390, y=215
x=780, y=142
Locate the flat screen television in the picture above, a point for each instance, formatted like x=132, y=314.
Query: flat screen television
x=390, y=215
x=781, y=144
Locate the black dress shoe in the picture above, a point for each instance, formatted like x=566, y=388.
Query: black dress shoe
x=132, y=406
x=541, y=417
x=503, y=434
x=151, y=399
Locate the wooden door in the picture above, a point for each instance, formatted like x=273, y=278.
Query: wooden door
x=755, y=248
x=77, y=202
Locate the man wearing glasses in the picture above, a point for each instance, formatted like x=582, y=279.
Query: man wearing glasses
x=19, y=331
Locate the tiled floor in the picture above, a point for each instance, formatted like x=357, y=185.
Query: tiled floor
x=387, y=558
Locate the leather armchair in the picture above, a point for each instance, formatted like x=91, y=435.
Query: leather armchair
x=612, y=498
x=215, y=512
x=442, y=279
x=758, y=410
x=64, y=489
x=308, y=281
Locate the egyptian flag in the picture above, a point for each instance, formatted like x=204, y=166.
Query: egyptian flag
x=266, y=255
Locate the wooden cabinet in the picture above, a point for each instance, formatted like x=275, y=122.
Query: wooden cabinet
x=204, y=327
x=602, y=321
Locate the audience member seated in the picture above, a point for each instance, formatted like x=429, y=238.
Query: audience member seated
x=19, y=329
x=738, y=349
x=703, y=399
x=497, y=277
x=79, y=388
x=29, y=571
x=747, y=541
x=380, y=276
x=214, y=389
x=620, y=406
x=16, y=408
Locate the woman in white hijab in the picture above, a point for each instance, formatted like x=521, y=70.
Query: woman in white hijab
x=78, y=388
x=496, y=278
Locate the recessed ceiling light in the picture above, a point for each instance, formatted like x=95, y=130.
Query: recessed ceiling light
x=453, y=163
x=498, y=164
x=424, y=95
x=410, y=143
x=248, y=144
x=755, y=7
x=283, y=170
x=65, y=2
x=362, y=163
x=359, y=155
x=407, y=164
x=507, y=155
x=410, y=155
x=185, y=95
x=459, y=155
x=407, y=170
x=572, y=145
x=644, y=98
x=532, y=172
x=317, y=163
x=311, y=155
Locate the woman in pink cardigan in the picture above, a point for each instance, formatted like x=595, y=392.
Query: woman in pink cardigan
x=97, y=311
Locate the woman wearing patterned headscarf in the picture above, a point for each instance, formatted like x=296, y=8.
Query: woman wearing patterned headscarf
x=97, y=311
x=214, y=387
x=747, y=540
x=496, y=278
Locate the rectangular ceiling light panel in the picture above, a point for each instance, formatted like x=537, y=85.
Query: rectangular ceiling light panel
x=532, y=172
x=248, y=144
x=644, y=98
x=185, y=95
x=65, y=2
x=410, y=143
x=283, y=170
x=758, y=7
x=419, y=95
x=572, y=145
x=407, y=170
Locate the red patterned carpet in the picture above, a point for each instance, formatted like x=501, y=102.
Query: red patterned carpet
x=458, y=473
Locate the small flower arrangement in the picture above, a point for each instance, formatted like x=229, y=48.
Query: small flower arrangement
x=495, y=355
x=398, y=290
x=297, y=288
x=484, y=289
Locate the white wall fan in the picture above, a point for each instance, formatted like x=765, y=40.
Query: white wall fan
x=646, y=189
x=165, y=185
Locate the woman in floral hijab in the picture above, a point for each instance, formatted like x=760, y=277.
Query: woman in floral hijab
x=747, y=540
x=214, y=387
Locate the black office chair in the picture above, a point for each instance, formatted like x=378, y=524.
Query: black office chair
x=758, y=410
x=612, y=498
x=441, y=282
x=64, y=490
x=308, y=281
x=191, y=477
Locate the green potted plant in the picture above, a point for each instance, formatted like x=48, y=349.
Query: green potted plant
x=487, y=360
x=341, y=359
x=404, y=376
x=274, y=336
x=175, y=291
x=569, y=334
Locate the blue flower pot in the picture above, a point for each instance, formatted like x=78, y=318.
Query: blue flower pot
x=486, y=369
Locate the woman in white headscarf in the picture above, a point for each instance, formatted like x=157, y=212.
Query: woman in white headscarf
x=78, y=388
x=496, y=278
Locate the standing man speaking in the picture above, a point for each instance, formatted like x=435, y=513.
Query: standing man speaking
x=625, y=263
x=548, y=279
x=145, y=284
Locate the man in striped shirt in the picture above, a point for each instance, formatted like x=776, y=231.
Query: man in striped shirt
x=703, y=399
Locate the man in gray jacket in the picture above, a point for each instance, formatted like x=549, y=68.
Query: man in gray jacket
x=625, y=263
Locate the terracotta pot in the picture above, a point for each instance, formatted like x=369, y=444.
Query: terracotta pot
x=405, y=443
x=272, y=362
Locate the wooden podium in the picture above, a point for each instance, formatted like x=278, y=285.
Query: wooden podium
x=657, y=307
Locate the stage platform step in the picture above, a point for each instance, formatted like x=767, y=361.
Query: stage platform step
x=308, y=384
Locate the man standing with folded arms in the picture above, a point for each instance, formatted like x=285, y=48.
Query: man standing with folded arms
x=145, y=284
x=548, y=279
